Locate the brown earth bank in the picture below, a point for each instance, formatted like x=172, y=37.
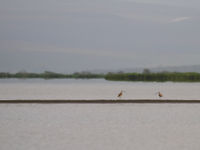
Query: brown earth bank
x=99, y=101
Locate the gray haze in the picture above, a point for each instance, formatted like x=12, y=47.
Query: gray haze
x=76, y=35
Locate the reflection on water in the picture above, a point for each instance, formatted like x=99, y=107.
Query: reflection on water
x=100, y=126
x=94, y=89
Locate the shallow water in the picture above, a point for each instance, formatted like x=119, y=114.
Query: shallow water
x=100, y=126
x=94, y=89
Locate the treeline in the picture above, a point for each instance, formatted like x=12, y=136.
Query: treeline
x=158, y=77
x=50, y=75
x=120, y=76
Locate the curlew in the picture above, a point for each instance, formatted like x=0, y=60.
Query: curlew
x=159, y=94
x=120, y=94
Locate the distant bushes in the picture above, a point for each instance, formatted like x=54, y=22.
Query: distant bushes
x=159, y=77
x=145, y=76
x=50, y=75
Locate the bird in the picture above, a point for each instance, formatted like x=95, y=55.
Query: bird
x=120, y=94
x=160, y=94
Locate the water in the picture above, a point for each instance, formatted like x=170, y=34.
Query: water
x=98, y=126
x=94, y=89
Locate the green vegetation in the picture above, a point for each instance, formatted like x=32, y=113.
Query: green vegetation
x=158, y=77
x=120, y=76
x=50, y=75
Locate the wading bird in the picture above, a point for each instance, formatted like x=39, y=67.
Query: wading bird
x=120, y=94
x=159, y=94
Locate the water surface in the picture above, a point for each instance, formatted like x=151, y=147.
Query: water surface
x=94, y=89
x=100, y=126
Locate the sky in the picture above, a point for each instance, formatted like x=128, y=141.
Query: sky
x=79, y=35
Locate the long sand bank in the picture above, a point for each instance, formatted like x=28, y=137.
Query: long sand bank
x=113, y=101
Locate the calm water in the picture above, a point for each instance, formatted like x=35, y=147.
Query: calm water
x=94, y=89
x=98, y=126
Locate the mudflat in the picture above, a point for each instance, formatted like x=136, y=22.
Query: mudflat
x=99, y=101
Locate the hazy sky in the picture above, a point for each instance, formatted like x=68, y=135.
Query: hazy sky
x=75, y=35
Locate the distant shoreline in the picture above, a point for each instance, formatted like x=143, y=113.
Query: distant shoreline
x=113, y=101
x=120, y=76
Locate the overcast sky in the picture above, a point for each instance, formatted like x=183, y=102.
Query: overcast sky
x=75, y=35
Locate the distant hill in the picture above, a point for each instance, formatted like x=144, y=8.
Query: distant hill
x=191, y=68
